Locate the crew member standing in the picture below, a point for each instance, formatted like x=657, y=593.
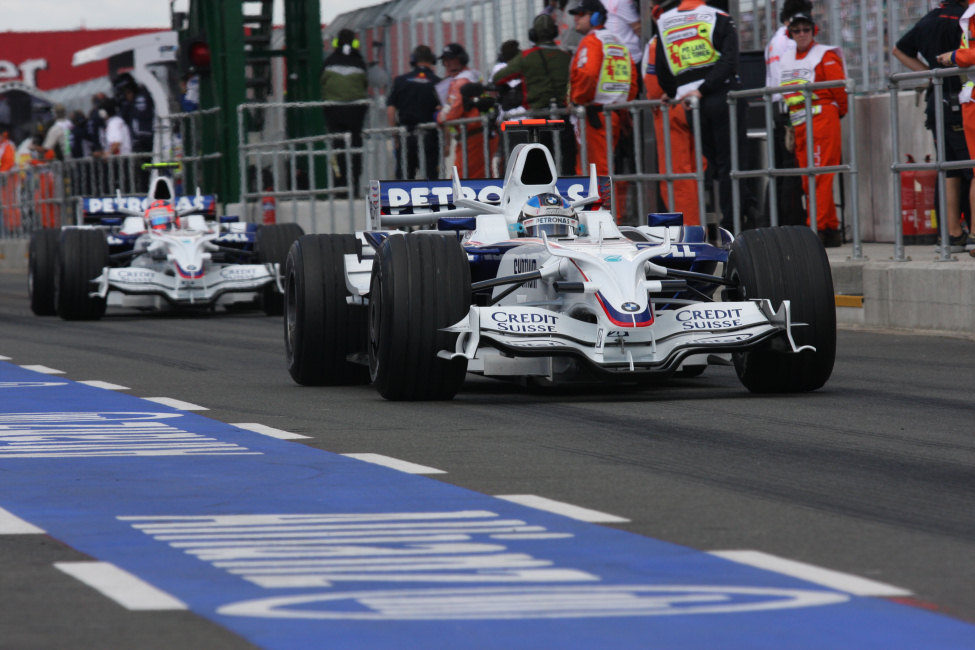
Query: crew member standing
x=544, y=70
x=601, y=73
x=788, y=189
x=811, y=63
x=344, y=80
x=413, y=100
x=681, y=135
x=455, y=59
x=699, y=45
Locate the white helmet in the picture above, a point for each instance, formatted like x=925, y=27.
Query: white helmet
x=550, y=214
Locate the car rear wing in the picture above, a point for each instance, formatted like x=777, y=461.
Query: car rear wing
x=401, y=198
x=93, y=210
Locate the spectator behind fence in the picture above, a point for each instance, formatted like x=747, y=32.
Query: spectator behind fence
x=705, y=66
x=116, y=140
x=455, y=59
x=413, y=100
x=788, y=189
x=78, y=127
x=344, y=80
x=810, y=63
x=138, y=110
x=94, y=126
x=601, y=73
x=9, y=209
x=58, y=137
x=544, y=71
x=681, y=136
x=939, y=31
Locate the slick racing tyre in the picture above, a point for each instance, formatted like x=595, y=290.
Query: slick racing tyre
x=786, y=263
x=42, y=264
x=273, y=243
x=82, y=254
x=420, y=284
x=321, y=329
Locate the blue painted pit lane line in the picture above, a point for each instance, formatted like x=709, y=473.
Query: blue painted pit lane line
x=294, y=547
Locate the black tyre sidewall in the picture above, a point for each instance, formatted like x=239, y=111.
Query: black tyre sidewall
x=82, y=254
x=787, y=263
x=420, y=284
x=42, y=265
x=273, y=243
x=321, y=329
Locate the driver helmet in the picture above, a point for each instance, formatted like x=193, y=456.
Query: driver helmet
x=550, y=214
x=160, y=216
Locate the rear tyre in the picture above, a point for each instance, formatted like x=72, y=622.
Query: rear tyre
x=420, y=284
x=82, y=255
x=42, y=264
x=786, y=263
x=321, y=329
x=273, y=243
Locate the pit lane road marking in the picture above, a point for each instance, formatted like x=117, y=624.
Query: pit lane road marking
x=43, y=369
x=127, y=590
x=396, y=463
x=265, y=430
x=95, y=383
x=11, y=524
x=837, y=580
x=561, y=508
x=176, y=404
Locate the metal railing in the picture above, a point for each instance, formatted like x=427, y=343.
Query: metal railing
x=936, y=78
x=810, y=170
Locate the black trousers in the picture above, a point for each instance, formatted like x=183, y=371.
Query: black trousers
x=339, y=119
x=716, y=130
x=431, y=152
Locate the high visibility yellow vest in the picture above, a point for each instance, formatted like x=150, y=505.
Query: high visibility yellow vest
x=688, y=38
x=794, y=71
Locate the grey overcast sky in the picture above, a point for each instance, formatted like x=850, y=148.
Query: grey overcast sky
x=43, y=15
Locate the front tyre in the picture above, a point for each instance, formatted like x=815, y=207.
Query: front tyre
x=420, y=284
x=321, y=329
x=273, y=242
x=82, y=255
x=42, y=265
x=786, y=263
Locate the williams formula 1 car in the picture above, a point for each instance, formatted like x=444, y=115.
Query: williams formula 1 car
x=532, y=279
x=155, y=252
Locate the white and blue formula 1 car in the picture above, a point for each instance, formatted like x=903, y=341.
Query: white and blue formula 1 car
x=155, y=252
x=532, y=279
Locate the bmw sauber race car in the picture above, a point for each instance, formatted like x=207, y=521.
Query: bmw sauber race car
x=532, y=279
x=155, y=252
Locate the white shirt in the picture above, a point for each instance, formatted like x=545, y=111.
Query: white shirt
x=116, y=130
x=778, y=46
x=622, y=14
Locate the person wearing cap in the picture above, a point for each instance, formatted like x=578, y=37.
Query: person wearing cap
x=413, y=100
x=544, y=72
x=601, y=73
x=343, y=79
x=682, y=153
x=788, y=189
x=811, y=63
x=699, y=44
x=455, y=59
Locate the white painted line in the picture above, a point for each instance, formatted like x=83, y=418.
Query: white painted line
x=396, y=463
x=846, y=582
x=176, y=404
x=560, y=508
x=121, y=586
x=103, y=384
x=265, y=430
x=44, y=369
x=11, y=524
x=3, y=358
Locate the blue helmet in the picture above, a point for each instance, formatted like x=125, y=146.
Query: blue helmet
x=550, y=214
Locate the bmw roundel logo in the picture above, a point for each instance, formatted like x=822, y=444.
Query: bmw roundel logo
x=631, y=306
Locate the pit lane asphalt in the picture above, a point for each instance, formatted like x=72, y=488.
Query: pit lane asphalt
x=873, y=475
